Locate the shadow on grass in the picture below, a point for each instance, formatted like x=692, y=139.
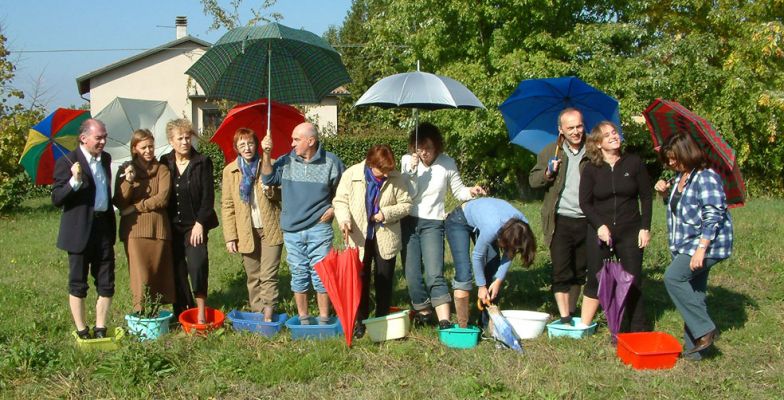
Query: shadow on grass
x=234, y=290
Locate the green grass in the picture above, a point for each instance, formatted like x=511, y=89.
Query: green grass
x=38, y=357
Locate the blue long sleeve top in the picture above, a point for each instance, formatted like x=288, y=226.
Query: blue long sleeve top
x=487, y=215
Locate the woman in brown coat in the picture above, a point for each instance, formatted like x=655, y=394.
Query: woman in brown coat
x=142, y=195
x=370, y=200
x=251, y=223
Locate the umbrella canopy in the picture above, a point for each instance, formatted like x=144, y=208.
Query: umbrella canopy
x=420, y=90
x=123, y=116
x=240, y=64
x=666, y=118
x=614, y=284
x=49, y=140
x=253, y=115
x=339, y=271
x=531, y=112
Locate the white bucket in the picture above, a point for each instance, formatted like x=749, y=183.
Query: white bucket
x=527, y=324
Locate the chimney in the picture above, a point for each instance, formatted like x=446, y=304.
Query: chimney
x=181, y=24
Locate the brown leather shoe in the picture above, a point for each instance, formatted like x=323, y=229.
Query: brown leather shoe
x=704, y=342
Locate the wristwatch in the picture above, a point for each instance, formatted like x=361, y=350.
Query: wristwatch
x=702, y=246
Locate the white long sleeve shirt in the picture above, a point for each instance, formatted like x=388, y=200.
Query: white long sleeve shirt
x=428, y=184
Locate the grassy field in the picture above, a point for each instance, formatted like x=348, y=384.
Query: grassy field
x=38, y=358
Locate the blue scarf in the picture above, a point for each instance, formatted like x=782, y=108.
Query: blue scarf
x=372, y=195
x=248, y=170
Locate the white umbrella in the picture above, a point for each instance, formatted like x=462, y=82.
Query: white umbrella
x=419, y=90
x=123, y=116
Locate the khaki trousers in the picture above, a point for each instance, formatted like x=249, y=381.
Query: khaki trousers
x=261, y=267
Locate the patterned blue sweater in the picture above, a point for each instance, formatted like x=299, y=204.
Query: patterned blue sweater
x=307, y=188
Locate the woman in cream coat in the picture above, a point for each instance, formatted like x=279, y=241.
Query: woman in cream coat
x=251, y=223
x=371, y=199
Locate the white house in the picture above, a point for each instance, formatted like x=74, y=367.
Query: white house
x=159, y=74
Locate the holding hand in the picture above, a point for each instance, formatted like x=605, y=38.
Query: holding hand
x=379, y=217
x=552, y=166
x=662, y=186
x=76, y=172
x=266, y=144
x=604, y=234
x=414, y=162
x=130, y=173
x=345, y=229
x=494, y=288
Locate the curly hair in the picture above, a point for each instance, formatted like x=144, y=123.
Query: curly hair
x=593, y=144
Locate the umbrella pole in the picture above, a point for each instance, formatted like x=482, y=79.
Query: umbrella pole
x=269, y=88
x=416, y=131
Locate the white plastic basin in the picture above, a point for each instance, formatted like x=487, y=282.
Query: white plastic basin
x=527, y=324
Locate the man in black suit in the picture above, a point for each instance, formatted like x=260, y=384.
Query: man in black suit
x=82, y=187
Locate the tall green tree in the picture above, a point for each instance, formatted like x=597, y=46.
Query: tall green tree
x=723, y=59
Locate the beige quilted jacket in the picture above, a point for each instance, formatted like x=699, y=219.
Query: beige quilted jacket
x=394, y=203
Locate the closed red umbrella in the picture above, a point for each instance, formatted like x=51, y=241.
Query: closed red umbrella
x=339, y=272
x=666, y=118
x=253, y=115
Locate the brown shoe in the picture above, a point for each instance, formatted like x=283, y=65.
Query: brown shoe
x=704, y=342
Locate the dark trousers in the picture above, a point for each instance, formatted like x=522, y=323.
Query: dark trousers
x=96, y=259
x=630, y=255
x=567, y=252
x=383, y=281
x=190, y=261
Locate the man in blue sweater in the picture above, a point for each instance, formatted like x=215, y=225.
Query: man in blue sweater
x=308, y=177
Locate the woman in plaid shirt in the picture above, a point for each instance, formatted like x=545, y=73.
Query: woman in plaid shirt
x=700, y=232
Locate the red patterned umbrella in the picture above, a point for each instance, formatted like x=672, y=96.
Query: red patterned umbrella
x=666, y=118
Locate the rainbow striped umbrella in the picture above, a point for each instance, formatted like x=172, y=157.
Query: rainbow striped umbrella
x=666, y=118
x=49, y=140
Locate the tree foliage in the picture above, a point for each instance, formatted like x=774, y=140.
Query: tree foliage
x=723, y=59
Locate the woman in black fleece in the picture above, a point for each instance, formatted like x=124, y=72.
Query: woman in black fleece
x=616, y=197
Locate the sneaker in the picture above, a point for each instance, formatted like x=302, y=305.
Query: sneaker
x=423, y=319
x=444, y=324
x=323, y=320
x=99, y=333
x=567, y=320
x=305, y=320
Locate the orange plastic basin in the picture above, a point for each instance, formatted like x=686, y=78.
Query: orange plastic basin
x=648, y=350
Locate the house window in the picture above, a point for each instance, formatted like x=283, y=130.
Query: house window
x=211, y=119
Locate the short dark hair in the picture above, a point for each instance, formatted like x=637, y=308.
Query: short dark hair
x=516, y=237
x=684, y=150
x=427, y=131
x=381, y=156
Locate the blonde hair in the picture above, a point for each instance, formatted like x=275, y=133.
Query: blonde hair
x=182, y=125
x=593, y=143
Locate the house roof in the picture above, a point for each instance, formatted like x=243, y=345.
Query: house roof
x=83, y=82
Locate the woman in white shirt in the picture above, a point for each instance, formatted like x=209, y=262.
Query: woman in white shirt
x=423, y=230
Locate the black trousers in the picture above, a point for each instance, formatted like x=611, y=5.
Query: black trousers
x=630, y=255
x=383, y=281
x=97, y=259
x=189, y=261
x=567, y=252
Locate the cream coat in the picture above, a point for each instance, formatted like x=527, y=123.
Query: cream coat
x=237, y=224
x=394, y=203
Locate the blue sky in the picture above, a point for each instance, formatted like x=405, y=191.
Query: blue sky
x=34, y=25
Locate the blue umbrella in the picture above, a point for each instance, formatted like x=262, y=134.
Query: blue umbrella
x=531, y=112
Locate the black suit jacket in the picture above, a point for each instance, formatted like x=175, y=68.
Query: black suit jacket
x=77, y=218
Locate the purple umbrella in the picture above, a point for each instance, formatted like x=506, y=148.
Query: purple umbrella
x=614, y=284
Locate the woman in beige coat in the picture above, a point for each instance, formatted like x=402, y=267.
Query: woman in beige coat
x=370, y=200
x=251, y=223
x=142, y=195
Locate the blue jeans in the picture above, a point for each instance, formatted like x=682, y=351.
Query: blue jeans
x=687, y=290
x=423, y=243
x=459, y=235
x=305, y=249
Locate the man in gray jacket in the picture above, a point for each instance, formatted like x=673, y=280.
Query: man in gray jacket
x=557, y=170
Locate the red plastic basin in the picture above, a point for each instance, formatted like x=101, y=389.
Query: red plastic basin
x=189, y=320
x=648, y=350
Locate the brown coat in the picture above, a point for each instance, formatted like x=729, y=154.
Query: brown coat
x=149, y=195
x=236, y=214
x=394, y=202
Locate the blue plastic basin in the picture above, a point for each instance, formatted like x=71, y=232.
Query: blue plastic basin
x=254, y=322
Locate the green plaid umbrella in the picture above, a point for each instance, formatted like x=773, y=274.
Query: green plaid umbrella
x=240, y=64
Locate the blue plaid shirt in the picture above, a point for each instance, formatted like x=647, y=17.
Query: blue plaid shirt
x=701, y=214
